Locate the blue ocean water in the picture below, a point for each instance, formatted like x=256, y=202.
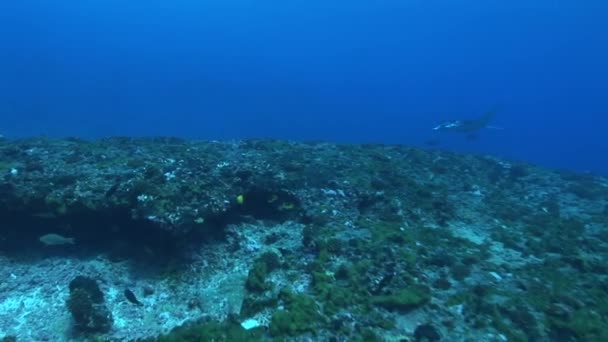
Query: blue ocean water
x=343, y=71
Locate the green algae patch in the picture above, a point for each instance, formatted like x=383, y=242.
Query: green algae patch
x=301, y=315
x=405, y=299
x=256, y=279
x=583, y=325
x=212, y=331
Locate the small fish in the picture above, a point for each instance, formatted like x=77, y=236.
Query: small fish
x=131, y=297
x=56, y=240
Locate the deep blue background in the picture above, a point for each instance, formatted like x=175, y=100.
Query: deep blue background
x=347, y=71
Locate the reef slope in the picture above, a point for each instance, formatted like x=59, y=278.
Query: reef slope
x=277, y=240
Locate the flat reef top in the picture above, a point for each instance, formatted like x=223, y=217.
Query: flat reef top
x=179, y=184
x=305, y=240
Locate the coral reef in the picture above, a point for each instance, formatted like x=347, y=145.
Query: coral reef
x=86, y=304
x=258, y=240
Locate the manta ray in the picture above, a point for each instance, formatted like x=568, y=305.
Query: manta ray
x=468, y=126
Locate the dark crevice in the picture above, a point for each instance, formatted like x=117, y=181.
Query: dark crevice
x=117, y=235
x=114, y=233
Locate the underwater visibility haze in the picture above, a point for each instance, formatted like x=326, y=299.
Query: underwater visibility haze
x=413, y=170
x=341, y=71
